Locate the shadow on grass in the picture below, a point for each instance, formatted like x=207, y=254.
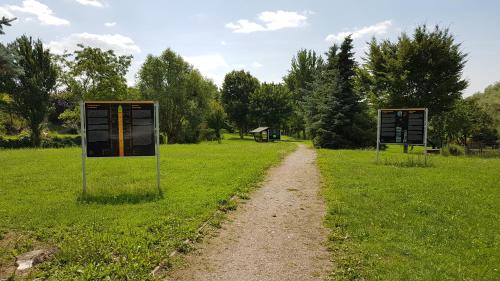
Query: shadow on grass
x=125, y=198
x=252, y=139
x=411, y=161
x=238, y=138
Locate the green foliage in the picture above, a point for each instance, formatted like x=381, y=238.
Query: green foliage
x=10, y=123
x=5, y=22
x=30, y=89
x=71, y=117
x=217, y=119
x=8, y=66
x=299, y=80
x=93, y=74
x=49, y=141
x=453, y=150
x=122, y=229
x=393, y=223
x=490, y=101
x=271, y=105
x=184, y=95
x=20, y=141
x=236, y=91
x=336, y=113
x=466, y=120
x=424, y=70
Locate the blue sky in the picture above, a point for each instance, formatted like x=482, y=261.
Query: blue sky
x=258, y=36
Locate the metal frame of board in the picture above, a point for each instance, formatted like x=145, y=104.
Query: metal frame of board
x=83, y=134
x=379, y=120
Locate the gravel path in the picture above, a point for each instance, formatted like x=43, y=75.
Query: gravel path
x=277, y=235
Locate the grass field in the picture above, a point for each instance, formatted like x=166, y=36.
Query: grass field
x=122, y=229
x=390, y=222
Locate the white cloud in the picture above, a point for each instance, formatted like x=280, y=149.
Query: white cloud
x=212, y=66
x=245, y=26
x=256, y=65
x=223, y=43
x=42, y=12
x=109, y=24
x=121, y=44
x=94, y=3
x=375, y=29
x=4, y=12
x=270, y=21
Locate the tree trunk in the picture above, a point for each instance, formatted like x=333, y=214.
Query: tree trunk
x=241, y=133
x=35, y=136
x=304, y=133
x=217, y=135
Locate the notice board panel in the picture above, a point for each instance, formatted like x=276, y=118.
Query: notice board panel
x=399, y=126
x=118, y=129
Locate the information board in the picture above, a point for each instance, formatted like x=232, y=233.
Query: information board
x=400, y=126
x=119, y=129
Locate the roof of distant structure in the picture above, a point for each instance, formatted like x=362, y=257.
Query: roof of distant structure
x=259, y=130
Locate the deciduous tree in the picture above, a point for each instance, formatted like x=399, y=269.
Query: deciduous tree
x=421, y=70
x=30, y=89
x=184, y=95
x=217, y=118
x=236, y=91
x=271, y=105
x=299, y=80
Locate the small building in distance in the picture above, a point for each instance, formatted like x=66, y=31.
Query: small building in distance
x=265, y=134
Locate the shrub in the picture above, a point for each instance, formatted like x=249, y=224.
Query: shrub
x=61, y=141
x=15, y=142
x=452, y=149
x=22, y=141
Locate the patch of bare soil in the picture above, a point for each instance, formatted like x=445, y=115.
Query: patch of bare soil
x=277, y=235
x=32, y=252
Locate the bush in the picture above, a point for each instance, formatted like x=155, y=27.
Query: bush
x=452, y=149
x=61, y=141
x=22, y=141
x=15, y=142
x=208, y=134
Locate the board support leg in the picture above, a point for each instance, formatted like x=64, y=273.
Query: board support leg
x=425, y=135
x=378, y=135
x=157, y=146
x=84, y=148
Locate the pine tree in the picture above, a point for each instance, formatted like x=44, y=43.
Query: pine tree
x=337, y=114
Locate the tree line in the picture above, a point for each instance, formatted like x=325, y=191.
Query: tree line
x=328, y=98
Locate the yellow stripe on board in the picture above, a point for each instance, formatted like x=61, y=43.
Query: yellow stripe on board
x=120, y=131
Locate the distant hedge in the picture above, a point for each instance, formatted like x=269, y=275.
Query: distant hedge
x=23, y=141
x=47, y=142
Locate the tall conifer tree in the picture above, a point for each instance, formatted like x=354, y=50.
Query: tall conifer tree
x=338, y=114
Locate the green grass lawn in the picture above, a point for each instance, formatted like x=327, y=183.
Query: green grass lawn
x=122, y=229
x=422, y=223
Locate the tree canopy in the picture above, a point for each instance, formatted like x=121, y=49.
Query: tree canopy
x=30, y=89
x=489, y=100
x=271, y=105
x=184, y=95
x=336, y=112
x=299, y=80
x=5, y=22
x=236, y=91
x=421, y=70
